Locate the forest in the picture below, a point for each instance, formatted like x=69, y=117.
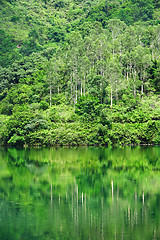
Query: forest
x=82, y=72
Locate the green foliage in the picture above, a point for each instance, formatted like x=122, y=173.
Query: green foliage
x=43, y=105
x=16, y=140
x=30, y=46
x=15, y=18
x=55, y=34
x=88, y=106
x=91, y=124
x=16, y=124
x=154, y=73
x=8, y=51
x=61, y=85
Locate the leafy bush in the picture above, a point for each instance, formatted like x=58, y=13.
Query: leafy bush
x=87, y=106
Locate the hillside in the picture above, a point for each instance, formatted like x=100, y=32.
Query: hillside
x=79, y=72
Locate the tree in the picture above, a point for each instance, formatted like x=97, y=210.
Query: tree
x=52, y=77
x=143, y=61
x=113, y=77
x=116, y=27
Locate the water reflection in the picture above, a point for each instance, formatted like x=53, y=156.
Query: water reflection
x=85, y=193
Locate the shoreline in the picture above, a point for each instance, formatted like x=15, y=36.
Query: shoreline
x=78, y=146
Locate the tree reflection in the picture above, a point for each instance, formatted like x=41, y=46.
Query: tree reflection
x=85, y=193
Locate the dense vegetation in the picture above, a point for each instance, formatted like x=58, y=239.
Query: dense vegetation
x=79, y=72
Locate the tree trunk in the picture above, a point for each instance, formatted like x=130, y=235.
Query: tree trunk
x=84, y=90
x=116, y=93
x=141, y=84
x=113, y=43
x=134, y=78
x=101, y=91
x=76, y=93
x=130, y=69
x=111, y=97
x=142, y=88
x=71, y=93
x=81, y=89
x=50, y=96
x=134, y=92
x=127, y=73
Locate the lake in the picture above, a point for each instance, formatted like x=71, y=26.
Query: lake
x=82, y=193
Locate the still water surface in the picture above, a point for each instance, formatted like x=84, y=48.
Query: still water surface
x=84, y=193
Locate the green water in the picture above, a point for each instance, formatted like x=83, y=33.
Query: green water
x=84, y=193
